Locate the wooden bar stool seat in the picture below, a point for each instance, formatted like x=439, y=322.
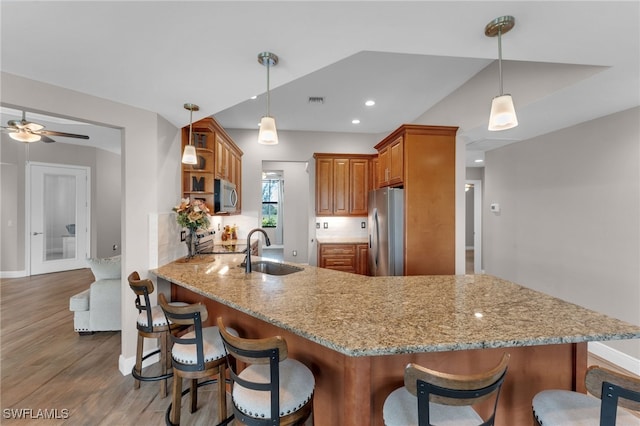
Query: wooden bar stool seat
x=197, y=354
x=443, y=399
x=272, y=389
x=151, y=324
x=610, y=392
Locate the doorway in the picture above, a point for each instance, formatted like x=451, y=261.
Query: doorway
x=57, y=206
x=473, y=232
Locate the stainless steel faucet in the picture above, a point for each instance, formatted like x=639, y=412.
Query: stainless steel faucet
x=247, y=266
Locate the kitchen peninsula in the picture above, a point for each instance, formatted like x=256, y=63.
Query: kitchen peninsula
x=357, y=333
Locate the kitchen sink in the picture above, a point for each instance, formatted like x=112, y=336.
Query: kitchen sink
x=274, y=268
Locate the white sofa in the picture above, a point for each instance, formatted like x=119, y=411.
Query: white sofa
x=98, y=308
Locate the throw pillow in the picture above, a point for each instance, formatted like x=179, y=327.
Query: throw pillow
x=106, y=268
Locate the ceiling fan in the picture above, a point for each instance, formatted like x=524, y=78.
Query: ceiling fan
x=27, y=131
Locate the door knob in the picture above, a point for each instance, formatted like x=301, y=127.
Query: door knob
x=37, y=233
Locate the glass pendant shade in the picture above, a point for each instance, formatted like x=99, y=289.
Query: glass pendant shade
x=503, y=113
x=189, y=155
x=24, y=136
x=268, y=134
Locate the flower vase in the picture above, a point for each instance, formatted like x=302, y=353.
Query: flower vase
x=191, y=240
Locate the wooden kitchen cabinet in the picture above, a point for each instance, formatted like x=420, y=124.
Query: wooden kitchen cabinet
x=346, y=257
x=342, y=184
x=218, y=158
x=391, y=162
x=374, y=180
x=428, y=178
x=362, y=261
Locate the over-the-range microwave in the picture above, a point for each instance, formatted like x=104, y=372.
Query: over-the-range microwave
x=225, y=196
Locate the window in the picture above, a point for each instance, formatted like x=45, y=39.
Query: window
x=270, y=202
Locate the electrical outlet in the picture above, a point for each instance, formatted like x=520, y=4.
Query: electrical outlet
x=183, y=236
x=363, y=225
x=294, y=253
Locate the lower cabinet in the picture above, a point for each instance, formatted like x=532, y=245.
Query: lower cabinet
x=346, y=257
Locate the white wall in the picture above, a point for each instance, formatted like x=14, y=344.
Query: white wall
x=144, y=152
x=105, y=197
x=569, y=223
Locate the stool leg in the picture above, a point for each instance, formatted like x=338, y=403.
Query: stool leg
x=138, y=367
x=194, y=395
x=222, y=390
x=176, y=406
x=163, y=363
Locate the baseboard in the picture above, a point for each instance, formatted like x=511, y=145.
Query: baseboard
x=125, y=365
x=616, y=357
x=13, y=274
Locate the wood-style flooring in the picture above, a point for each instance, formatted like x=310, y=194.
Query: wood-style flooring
x=48, y=370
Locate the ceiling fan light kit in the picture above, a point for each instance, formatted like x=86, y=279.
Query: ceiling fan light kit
x=189, y=154
x=503, y=113
x=268, y=135
x=27, y=132
x=24, y=136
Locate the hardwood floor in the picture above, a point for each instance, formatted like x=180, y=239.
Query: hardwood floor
x=45, y=365
x=69, y=379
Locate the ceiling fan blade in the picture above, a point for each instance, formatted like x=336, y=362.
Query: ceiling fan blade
x=66, y=135
x=44, y=138
x=8, y=129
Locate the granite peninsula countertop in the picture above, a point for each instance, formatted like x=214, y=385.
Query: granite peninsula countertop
x=368, y=316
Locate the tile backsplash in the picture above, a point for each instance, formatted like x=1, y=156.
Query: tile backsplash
x=341, y=226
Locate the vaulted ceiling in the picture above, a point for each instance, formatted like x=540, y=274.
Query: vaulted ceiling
x=421, y=61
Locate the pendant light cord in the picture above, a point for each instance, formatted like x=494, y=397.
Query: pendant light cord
x=500, y=58
x=191, y=126
x=268, y=92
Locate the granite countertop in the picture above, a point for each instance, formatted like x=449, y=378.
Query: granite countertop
x=367, y=316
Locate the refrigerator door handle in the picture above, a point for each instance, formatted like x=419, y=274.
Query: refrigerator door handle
x=377, y=236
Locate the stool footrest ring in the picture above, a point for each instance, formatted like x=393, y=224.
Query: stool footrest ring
x=142, y=378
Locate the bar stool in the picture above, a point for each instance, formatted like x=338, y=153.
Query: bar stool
x=610, y=391
x=273, y=389
x=151, y=324
x=197, y=354
x=443, y=398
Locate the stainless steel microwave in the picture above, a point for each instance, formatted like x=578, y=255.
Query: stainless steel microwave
x=225, y=196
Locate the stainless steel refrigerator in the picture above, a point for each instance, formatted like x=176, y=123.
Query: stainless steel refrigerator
x=386, y=232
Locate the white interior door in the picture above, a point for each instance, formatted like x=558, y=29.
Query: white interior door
x=58, y=217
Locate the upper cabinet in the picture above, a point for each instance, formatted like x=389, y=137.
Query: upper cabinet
x=343, y=182
x=218, y=158
x=391, y=162
x=421, y=159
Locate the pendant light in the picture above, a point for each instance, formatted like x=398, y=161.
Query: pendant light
x=503, y=113
x=268, y=134
x=189, y=154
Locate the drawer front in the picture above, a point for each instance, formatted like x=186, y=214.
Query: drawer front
x=339, y=263
x=337, y=249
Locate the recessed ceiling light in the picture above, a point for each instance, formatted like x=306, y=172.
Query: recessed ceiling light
x=479, y=161
x=370, y=102
x=355, y=121
x=254, y=97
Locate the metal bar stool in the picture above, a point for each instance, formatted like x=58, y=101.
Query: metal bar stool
x=196, y=354
x=610, y=392
x=151, y=324
x=442, y=398
x=273, y=389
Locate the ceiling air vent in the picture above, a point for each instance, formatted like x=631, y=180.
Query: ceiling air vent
x=316, y=100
